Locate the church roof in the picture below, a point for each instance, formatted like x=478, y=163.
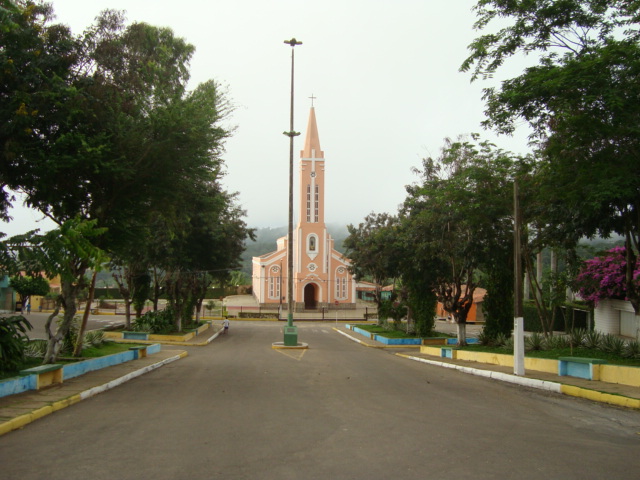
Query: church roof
x=312, y=140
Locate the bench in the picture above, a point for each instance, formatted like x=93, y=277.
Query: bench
x=45, y=374
x=580, y=367
x=139, y=352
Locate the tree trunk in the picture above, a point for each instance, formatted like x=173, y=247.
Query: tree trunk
x=462, y=333
x=198, y=309
x=83, y=325
x=69, y=292
x=124, y=285
x=127, y=312
x=539, y=268
x=541, y=308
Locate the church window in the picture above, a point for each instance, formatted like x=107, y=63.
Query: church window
x=275, y=278
x=312, y=245
x=308, y=203
x=317, y=203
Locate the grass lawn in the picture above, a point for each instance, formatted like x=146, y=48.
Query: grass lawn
x=107, y=348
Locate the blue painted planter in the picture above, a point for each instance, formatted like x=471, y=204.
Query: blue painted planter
x=398, y=341
x=454, y=341
x=11, y=386
x=362, y=332
x=80, y=368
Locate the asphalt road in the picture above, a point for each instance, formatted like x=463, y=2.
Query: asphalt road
x=238, y=409
x=94, y=322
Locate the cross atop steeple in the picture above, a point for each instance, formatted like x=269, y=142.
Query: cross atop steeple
x=312, y=140
x=312, y=99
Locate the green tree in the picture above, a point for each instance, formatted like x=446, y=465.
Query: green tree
x=198, y=246
x=27, y=285
x=67, y=252
x=36, y=62
x=129, y=145
x=460, y=214
x=581, y=102
x=373, y=250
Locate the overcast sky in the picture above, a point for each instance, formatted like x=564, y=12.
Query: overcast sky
x=384, y=74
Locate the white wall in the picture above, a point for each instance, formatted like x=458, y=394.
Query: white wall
x=607, y=315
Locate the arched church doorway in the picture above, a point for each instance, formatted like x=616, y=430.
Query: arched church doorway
x=310, y=297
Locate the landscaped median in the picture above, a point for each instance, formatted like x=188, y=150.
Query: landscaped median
x=45, y=375
x=123, y=336
x=607, y=373
x=397, y=338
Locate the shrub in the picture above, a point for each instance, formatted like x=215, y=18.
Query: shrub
x=592, y=339
x=36, y=348
x=557, y=342
x=612, y=344
x=605, y=277
x=576, y=337
x=13, y=341
x=159, y=322
x=484, y=338
x=94, y=338
x=501, y=340
x=535, y=341
x=632, y=349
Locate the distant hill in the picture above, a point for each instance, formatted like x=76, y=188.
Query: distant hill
x=266, y=242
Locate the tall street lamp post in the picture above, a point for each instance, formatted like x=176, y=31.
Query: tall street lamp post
x=290, y=331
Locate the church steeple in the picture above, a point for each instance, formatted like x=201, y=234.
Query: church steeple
x=312, y=176
x=312, y=140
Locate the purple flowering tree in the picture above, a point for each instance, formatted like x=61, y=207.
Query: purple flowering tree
x=605, y=277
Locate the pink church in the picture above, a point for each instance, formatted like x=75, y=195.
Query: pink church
x=321, y=274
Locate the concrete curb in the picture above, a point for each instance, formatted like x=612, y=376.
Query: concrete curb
x=503, y=377
x=119, y=381
x=555, y=387
x=357, y=340
x=27, y=418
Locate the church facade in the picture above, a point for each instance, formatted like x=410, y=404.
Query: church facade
x=321, y=273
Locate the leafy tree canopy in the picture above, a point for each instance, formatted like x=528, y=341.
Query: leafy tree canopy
x=580, y=101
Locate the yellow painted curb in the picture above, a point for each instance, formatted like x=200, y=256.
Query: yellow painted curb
x=602, y=397
x=279, y=346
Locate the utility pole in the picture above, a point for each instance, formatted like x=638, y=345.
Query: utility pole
x=290, y=331
x=518, y=321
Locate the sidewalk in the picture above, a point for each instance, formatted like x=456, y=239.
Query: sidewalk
x=604, y=392
x=16, y=411
x=19, y=410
